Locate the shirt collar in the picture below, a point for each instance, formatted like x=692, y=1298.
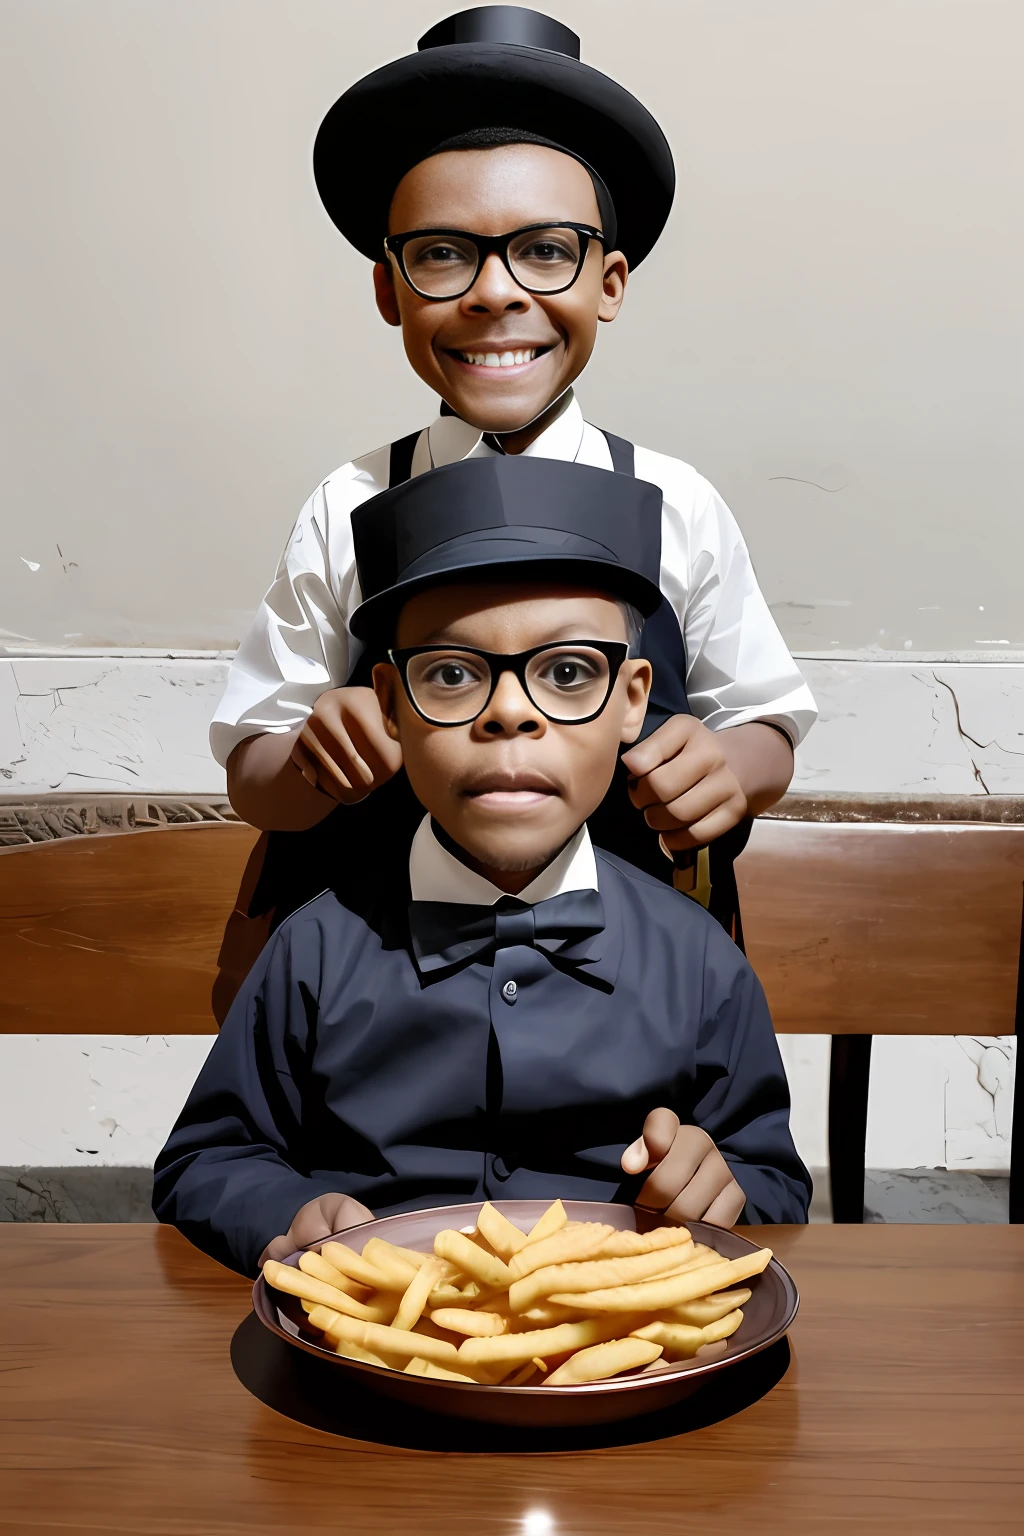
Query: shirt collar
x=449, y=439
x=437, y=875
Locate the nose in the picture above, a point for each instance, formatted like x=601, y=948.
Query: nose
x=495, y=291
x=510, y=712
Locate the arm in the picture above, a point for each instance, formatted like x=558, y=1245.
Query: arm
x=742, y=1096
x=231, y=1175
x=697, y=776
x=290, y=781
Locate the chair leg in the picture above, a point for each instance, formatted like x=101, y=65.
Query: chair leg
x=849, y=1072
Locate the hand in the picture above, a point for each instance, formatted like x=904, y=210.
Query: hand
x=316, y=1221
x=682, y=781
x=691, y=1180
x=344, y=748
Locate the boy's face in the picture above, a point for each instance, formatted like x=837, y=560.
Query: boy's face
x=512, y=787
x=492, y=192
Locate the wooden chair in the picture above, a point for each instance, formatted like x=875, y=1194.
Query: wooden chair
x=118, y=934
x=860, y=930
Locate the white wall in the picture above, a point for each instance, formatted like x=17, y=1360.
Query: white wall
x=830, y=329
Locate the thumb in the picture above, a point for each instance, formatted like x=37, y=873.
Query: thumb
x=660, y=1129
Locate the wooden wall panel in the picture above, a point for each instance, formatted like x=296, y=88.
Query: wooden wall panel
x=885, y=929
x=117, y=934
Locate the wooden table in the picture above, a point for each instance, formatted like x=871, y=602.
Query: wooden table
x=900, y=1409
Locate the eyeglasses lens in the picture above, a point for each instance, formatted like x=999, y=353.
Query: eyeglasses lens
x=565, y=683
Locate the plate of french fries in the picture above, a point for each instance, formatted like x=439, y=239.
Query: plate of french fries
x=521, y=1312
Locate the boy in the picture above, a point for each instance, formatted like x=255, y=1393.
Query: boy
x=496, y=126
x=536, y=1006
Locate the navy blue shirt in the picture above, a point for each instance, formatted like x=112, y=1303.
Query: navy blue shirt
x=340, y=1068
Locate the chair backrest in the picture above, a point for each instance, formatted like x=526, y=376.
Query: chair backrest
x=885, y=929
x=118, y=934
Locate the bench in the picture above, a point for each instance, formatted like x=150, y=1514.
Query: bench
x=856, y=929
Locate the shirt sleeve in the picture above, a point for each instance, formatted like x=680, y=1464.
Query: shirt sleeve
x=738, y=667
x=299, y=643
x=231, y=1175
x=742, y=1096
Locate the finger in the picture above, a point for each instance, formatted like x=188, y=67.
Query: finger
x=710, y=793
x=305, y=763
x=341, y=1211
x=280, y=1248
x=660, y=1131
x=331, y=742
x=676, y=1168
x=368, y=730
x=310, y=1225
x=672, y=779
x=699, y=1193
x=726, y=1209
x=634, y=1159
x=661, y=744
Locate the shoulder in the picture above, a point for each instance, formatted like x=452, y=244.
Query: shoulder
x=639, y=889
x=323, y=925
x=682, y=925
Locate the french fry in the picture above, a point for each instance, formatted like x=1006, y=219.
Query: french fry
x=563, y=1339
x=626, y=1245
x=383, y=1257
x=524, y=1374
x=457, y=1248
x=724, y=1328
x=599, y=1274
x=356, y=1267
x=604, y=1360
x=387, y=1341
x=583, y=1241
x=414, y=1299
x=314, y=1264
x=295, y=1282
x=544, y=1314
x=503, y=1235
x=658, y=1295
x=476, y=1325
x=678, y=1340
x=707, y=1309
x=567, y=1302
x=553, y=1219
x=438, y=1372
x=364, y=1356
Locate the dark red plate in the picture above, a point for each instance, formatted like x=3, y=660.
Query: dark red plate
x=766, y=1317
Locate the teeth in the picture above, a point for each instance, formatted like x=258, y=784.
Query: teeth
x=496, y=360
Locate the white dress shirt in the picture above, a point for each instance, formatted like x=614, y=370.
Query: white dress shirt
x=437, y=875
x=299, y=644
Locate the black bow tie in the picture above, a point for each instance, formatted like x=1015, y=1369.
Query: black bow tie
x=450, y=934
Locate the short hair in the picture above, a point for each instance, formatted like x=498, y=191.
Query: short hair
x=498, y=138
x=634, y=626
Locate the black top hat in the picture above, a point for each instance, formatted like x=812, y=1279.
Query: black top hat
x=507, y=519
x=497, y=66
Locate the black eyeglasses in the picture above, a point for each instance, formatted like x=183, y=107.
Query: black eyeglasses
x=445, y=263
x=569, y=683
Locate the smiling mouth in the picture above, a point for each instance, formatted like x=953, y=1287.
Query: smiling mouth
x=509, y=358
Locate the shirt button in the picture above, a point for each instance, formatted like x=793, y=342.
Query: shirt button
x=510, y=992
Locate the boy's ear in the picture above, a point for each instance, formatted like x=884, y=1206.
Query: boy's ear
x=638, y=689
x=384, y=293
x=385, y=682
x=613, y=285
